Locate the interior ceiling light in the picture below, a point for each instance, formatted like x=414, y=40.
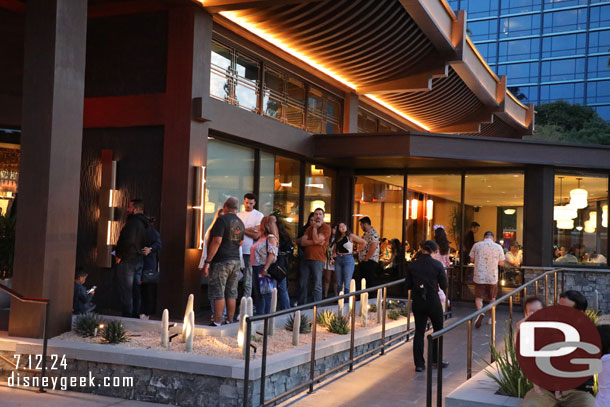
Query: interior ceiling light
x=565, y=224
x=578, y=197
x=605, y=216
x=285, y=46
x=510, y=211
x=565, y=212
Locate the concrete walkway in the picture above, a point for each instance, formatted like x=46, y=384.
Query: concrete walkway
x=13, y=397
x=391, y=380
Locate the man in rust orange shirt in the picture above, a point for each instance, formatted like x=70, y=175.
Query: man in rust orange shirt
x=314, y=241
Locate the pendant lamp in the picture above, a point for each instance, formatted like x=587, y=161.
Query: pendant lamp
x=578, y=197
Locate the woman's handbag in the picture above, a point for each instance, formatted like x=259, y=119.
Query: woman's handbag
x=150, y=276
x=277, y=272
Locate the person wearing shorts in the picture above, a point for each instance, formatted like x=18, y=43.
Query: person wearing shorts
x=487, y=256
x=222, y=263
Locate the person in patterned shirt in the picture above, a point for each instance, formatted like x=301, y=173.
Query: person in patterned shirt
x=368, y=256
x=486, y=256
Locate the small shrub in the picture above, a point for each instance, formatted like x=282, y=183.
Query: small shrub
x=305, y=324
x=373, y=308
x=593, y=315
x=339, y=325
x=85, y=324
x=394, y=304
x=404, y=311
x=509, y=375
x=325, y=318
x=114, y=332
x=394, y=314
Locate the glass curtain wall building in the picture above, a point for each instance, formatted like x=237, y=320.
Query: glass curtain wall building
x=549, y=49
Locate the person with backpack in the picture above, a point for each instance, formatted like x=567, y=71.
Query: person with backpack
x=424, y=276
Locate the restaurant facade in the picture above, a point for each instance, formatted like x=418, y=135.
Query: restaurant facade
x=368, y=108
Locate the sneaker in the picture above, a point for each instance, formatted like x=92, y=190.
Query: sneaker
x=443, y=365
x=144, y=316
x=420, y=368
x=212, y=323
x=479, y=321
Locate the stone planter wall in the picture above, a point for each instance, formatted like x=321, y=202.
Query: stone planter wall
x=479, y=391
x=595, y=285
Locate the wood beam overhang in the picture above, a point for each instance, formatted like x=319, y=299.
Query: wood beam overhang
x=216, y=6
x=416, y=82
x=471, y=124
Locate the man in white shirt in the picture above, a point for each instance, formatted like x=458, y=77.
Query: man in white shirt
x=251, y=219
x=486, y=256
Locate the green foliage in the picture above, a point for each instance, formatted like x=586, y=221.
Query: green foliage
x=394, y=314
x=339, y=325
x=7, y=245
x=114, y=332
x=305, y=324
x=564, y=122
x=325, y=318
x=394, y=304
x=508, y=374
x=593, y=315
x=85, y=324
x=373, y=308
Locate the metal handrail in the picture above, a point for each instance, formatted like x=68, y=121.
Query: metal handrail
x=45, y=331
x=439, y=335
x=349, y=363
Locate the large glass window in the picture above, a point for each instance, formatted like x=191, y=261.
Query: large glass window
x=598, y=92
x=563, y=3
x=519, y=6
x=230, y=169
x=483, y=30
x=519, y=26
x=563, y=69
x=520, y=73
x=566, y=20
x=598, y=67
x=570, y=92
x=600, y=17
x=284, y=98
x=433, y=200
x=604, y=112
x=369, y=123
x=234, y=77
x=599, y=41
x=318, y=190
x=526, y=94
x=581, y=219
x=380, y=198
x=488, y=51
x=482, y=8
x=323, y=112
x=266, y=183
x=286, y=191
x=563, y=45
x=515, y=50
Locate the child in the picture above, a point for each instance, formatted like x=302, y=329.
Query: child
x=82, y=299
x=603, y=381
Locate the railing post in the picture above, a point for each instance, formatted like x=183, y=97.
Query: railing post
x=556, y=286
x=493, y=330
x=510, y=309
x=429, y=372
x=469, y=351
x=247, y=343
x=439, y=373
x=385, y=299
x=536, y=285
x=312, y=362
x=45, y=339
x=264, y=361
x=352, y=336
x=546, y=288
x=408, y=314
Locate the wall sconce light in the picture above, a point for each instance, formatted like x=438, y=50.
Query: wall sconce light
x=414, y=203
x=199, y=206
x=429, y=209
x=107, y=227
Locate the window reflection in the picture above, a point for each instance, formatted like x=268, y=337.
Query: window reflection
x=580, y=216
x=286, y=191
x=318, y=190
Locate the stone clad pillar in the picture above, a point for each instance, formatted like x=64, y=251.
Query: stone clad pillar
x=49, y=174
x=538, y=217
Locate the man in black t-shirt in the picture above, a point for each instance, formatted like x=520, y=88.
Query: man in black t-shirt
x=226, y=237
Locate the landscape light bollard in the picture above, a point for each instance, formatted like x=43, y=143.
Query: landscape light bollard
x=364, y=308
x=362, y=287
x=189, y=308
x=249, y=306
x=165, y=328
x=296, y=327
x=340, y=307
x=272, y=310
x=243, y=310
x=379, y=306
x=190, y=332
x=351, y=304
x=352, y=286
x=241, y=340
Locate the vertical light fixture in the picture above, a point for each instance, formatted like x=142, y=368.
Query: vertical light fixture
x=429, y=209
x=199, y=205
x=407, y=209
x=107, y=227
x=414, y=203
x=578, y=197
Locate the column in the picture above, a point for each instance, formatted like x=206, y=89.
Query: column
x=184, y=148
x=538, y=216
x=350, y=113
x=49, y=175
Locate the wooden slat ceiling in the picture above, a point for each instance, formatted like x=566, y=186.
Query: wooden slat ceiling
x=369, y=43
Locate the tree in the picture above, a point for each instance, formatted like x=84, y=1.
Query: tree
x=564, y=122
